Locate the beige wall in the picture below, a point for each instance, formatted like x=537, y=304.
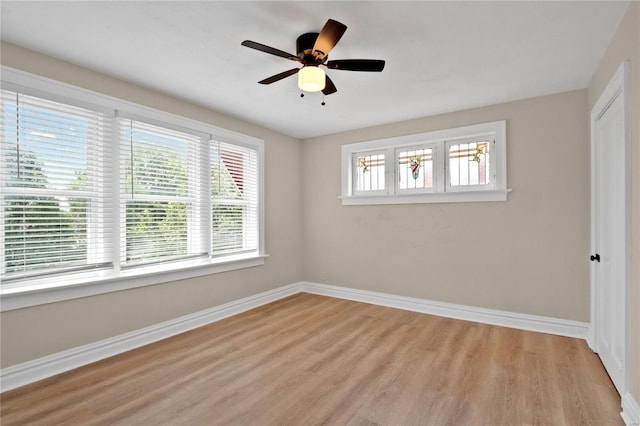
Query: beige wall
x=626, y=46
x=528, y=255
x=41, y=330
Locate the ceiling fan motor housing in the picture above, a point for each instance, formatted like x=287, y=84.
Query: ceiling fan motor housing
x=304, y=47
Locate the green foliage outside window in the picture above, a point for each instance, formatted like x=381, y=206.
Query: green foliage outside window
x=41, y=231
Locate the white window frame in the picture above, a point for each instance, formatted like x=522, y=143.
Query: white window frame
x=443, y=193
x=48, y=289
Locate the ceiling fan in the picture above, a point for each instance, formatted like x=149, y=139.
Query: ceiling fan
x=313, y=51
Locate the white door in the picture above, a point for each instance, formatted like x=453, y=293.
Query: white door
x=610, y=230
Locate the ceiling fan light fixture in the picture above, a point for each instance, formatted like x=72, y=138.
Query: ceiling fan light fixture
x=311, y=79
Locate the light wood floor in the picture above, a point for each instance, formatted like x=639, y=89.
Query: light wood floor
x=315, y=360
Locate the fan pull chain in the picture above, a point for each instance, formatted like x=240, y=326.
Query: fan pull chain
x=323, y=103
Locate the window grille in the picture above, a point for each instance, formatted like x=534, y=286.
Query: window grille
x=469, y=163
x=415, y=169
x=370, y=172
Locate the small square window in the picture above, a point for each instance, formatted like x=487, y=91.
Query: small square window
x=469, y=164
x=415, y=169
x=369, y=172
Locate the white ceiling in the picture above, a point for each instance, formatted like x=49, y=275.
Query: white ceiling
x=440, y=56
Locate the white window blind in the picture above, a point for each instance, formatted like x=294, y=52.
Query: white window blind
x=54, y=200
x=234, y=198
x=160, y=185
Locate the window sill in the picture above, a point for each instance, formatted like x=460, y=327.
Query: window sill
x=49, y=290
x=423, y=198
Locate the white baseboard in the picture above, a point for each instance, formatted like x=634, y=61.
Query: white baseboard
x=50, y=365
x=591, y=338
x=630, y=410
x=41, y=368
x=469, y=313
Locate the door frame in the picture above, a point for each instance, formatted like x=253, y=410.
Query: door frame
x=618, y=86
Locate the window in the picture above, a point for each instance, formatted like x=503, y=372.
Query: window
x=469, y=164
x=369, y=171
x=160, y=188
x=53, y=206
x=234, y=199
x=415, y=169
x=452, y=165
x=100, y=189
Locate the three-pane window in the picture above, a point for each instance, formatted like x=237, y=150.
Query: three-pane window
x=451, y=165
x=85, y=189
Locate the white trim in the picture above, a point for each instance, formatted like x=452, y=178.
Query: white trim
x=630, y=410
x=591, y=336
x=561, y=327
x=619, y=85
x=427, y=197
x=50, y=365
x=41, y=368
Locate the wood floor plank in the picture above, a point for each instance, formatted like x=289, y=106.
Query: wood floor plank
x=309, y=359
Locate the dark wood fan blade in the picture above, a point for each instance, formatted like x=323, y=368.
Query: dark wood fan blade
x=329, y=87
x=356, y=64
x=271, y=50
x=328, y=37
x=280, y=76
